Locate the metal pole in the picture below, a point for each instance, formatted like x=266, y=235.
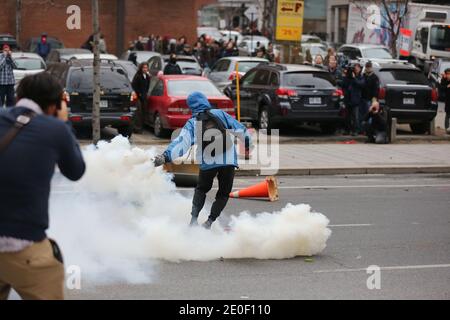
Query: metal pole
x=238, y=93
x=96, y=98
x=251, y=37
x=18, y=20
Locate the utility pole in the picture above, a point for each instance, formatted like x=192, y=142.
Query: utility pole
x=96, y=100
x=18, y=20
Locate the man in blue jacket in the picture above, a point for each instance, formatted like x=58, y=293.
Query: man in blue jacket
x=215, y=149
x=29, y=262
x=43, y=47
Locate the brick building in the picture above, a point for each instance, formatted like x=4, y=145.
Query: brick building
x=121, y=20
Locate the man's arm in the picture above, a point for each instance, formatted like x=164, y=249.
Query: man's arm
x=181, y=145
x=2, y=60
x=239, y=130
x=70, y=160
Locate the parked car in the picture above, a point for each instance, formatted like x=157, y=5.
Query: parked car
x=31, y=44
x=314, y=48
x=129, y=67
x=365, y=51
x=116, y=95
x=308, y=38
x=104, y=57
x=231, y=34
x=27, y=64
x=406, y=94
x=188, y=64
x=167, y=109
x=137, y=57
x=274, y=95
x=55, y=54
x=9, y=40
x=249, y=44
x=212, y=32
x=224, y=70
x=436, y=69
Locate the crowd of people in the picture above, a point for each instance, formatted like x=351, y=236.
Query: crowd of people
x=206, y=49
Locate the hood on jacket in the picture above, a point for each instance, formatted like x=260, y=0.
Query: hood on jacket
x=198, y=102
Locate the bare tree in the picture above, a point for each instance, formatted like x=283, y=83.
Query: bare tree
x=394, y=16
x=96, y=100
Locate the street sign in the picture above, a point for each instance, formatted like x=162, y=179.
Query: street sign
x=251, y=12
x=289, y=20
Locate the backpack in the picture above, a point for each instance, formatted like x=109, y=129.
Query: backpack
x=208, y=121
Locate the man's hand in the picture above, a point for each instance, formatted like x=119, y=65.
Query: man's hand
x=159, y=160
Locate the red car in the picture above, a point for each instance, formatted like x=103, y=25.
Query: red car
x=167, y=108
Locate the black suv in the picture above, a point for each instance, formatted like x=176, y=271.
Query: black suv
x=116, y=95
x=406, y=94
x=273, y=94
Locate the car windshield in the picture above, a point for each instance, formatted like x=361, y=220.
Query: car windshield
x=399, y=76
x=130, y=69
x=315, y=50
x=144, y=56
x=440, y=38
x=183, y=88
x=317, y=80
x=188, y=64
x=444, y=66
x=377, y=53
x=244, y=66
x=113, y=80
x=29, y=64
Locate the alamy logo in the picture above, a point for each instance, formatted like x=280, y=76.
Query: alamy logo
x=73, y=281
x=373, y=17
x=374, y=280
x=73, y=22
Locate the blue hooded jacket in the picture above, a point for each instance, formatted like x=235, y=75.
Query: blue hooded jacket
x=198, y=103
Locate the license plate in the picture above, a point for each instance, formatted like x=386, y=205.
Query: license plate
x=103, y=104
x=409, y=101
x=315, y=100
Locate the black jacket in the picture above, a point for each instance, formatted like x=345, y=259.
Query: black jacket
x=444, y=85
x=372, y=86
x=140, y=84
x=376, y=121
x=26, y=170
x=172, y=68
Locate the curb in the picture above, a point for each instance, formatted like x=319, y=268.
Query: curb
x=344, y=171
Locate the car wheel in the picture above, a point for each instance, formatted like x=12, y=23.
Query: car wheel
x=125, y=131
x=158, y=128
x=264, y=119
x=328, y=128
x=420, y=128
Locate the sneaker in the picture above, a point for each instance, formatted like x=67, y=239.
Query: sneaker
x=193, y=222
x=207, y=224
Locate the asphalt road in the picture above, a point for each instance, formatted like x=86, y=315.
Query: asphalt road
x=399, y=223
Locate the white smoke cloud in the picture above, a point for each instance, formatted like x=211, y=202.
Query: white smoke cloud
x=124, y=215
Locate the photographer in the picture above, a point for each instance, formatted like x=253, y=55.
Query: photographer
x=371, y=88
x=375, y=125
x=34, y=138
x=7, y=80
x=353, y=84
x=445, y=84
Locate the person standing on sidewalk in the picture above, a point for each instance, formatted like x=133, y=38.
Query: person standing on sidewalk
x=372, y=86
x=445, y=84
x=353, y=84
x=220, y=162
x=7, y=80
x=35, y=136
x=43, y=47
x=141, y=85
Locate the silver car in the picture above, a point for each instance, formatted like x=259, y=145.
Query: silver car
x=27, y=64
x=224, y=70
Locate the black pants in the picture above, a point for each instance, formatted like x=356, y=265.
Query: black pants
x=140, y=114
x=225, y=175
x=7, y=93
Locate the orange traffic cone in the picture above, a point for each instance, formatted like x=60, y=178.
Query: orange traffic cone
x=266, y=189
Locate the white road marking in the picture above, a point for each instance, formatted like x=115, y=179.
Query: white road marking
x=416, y=267
x=394, y=186
x=351, y=225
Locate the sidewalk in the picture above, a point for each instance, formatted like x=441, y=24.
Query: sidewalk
x=322, y=159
